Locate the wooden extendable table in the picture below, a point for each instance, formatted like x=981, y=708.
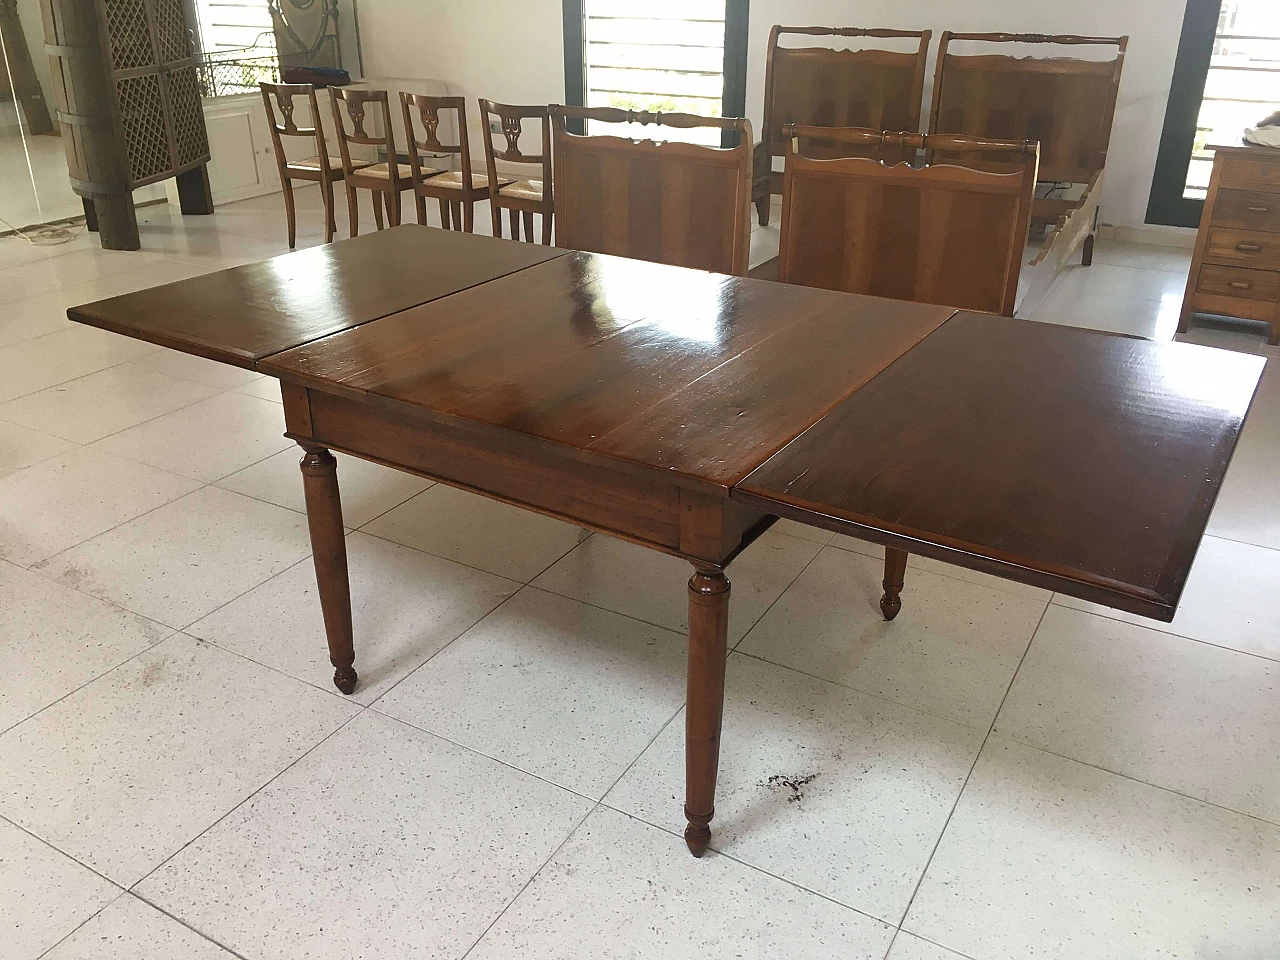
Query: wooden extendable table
x=686, y=411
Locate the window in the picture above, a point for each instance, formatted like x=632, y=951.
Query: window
x=232, y=24
x=1227, y=78
x=684, y=56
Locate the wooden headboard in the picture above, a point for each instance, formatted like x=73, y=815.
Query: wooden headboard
x=826, y=87
x=1065, y=104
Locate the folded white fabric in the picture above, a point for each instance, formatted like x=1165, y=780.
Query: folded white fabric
x=1263, y=136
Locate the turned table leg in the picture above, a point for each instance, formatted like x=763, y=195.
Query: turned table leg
x=708, y=645
x=329, y=550
x=895, y=570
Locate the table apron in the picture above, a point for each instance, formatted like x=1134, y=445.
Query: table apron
x=645, y=507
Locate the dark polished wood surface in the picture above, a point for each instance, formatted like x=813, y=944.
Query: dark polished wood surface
x=698, y=375
x=246, y=313
x=1065, y=458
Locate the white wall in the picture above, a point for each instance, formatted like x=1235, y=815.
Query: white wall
x=513, y=50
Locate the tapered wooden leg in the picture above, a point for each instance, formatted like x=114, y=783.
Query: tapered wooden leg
x=546, y=228
x=495, y=217
x=1086, y=258
x=708, y=648
x=420, y=203
x=469, y=216
x=455, y=208
x=895, y=571
x=394, y=208
x=326, y=197
x=90, y=215
x=528, y=226
x=329, y=551
x=376, y=196
x=195, y=195
x=514, y=217
x=444, y=214
x=290, y=212
x=353, y=210
x=762, y=210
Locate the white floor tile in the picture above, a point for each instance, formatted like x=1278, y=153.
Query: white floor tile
x=653, y=587
x=47, y=895
x=152, y=754
x=1149, y=256
x=1230, y=599
x=821, y=785
x=207, y=440
x=1195, y=718
x=21, y=447
x=383, y=842
x=951, y=651
x=33, y=317
x=909, y=947
x=471, y=529
x=803, y=531
x=1247, y=508
x=103, y=403
x=1120, y=282
x=186, y=559
x=264, y=388
x=56, y=639
x=368, y=489
x=17, y=284
x=223, y=376
x=1152, y=319
x=131, y=930
x=65, y=500
x=83, y=266
x=405, y=606
x=1050, y=858
x=623, y=889
x=55, y=358
x=568, y=692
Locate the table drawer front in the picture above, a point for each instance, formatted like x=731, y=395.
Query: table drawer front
x=1246, y=247
x=517, y=469
x=1248, y=171
x=1238, y=282
x=1247, y=210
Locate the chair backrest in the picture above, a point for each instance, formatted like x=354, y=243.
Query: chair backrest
x=669, y=202
x=510, y=117
x=826, y=87
x=939, y=234
x=279, y=101
x=349, y=107
x=1065, y=104
x=428, y=110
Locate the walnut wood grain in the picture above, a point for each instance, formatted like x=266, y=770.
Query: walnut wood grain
x=1060, y=457
x=240, y=315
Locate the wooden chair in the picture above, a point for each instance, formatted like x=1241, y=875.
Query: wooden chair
x=938, y=234
x=319, y=168
x=523, y=197
x=457, y=190
x=676, y=203
x=384, y=180
x=941, y=234
x=826, y=87
x=1066, y=104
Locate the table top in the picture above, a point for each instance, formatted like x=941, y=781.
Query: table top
x=695, y=374
x=240, y=315
x=1080, y=461
x=1070, y=459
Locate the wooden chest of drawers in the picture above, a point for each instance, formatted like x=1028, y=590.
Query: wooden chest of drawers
x=1236, y=268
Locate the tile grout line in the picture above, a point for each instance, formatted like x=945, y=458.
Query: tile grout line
x=968, y=776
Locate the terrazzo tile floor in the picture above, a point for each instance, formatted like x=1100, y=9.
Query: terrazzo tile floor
x=1001, y=773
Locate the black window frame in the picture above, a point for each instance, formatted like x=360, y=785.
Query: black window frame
x=733, y=97
x=1166, y=204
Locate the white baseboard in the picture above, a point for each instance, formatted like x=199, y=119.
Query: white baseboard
x=1160, y=236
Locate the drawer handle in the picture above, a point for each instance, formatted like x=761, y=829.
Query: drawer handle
x=1245, y=247
x=1240, y=285
x=1258, y=209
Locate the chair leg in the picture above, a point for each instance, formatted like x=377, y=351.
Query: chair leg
x=353, y=210
x=762, y=210
x=547, y=216
x=444, y=214
x=420, y=203
x=290, y=212
x=326, y=196
x=495, y=215
x=528, y=225
x=455, y=210
x=1086, y=257
x=469, y=216
x=514, y=217
x=394, y=208
x=376, y=195
x=895, y=569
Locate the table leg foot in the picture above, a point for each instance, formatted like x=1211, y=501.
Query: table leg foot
x=329, y=552
x=708, y=649
x=895, y=569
